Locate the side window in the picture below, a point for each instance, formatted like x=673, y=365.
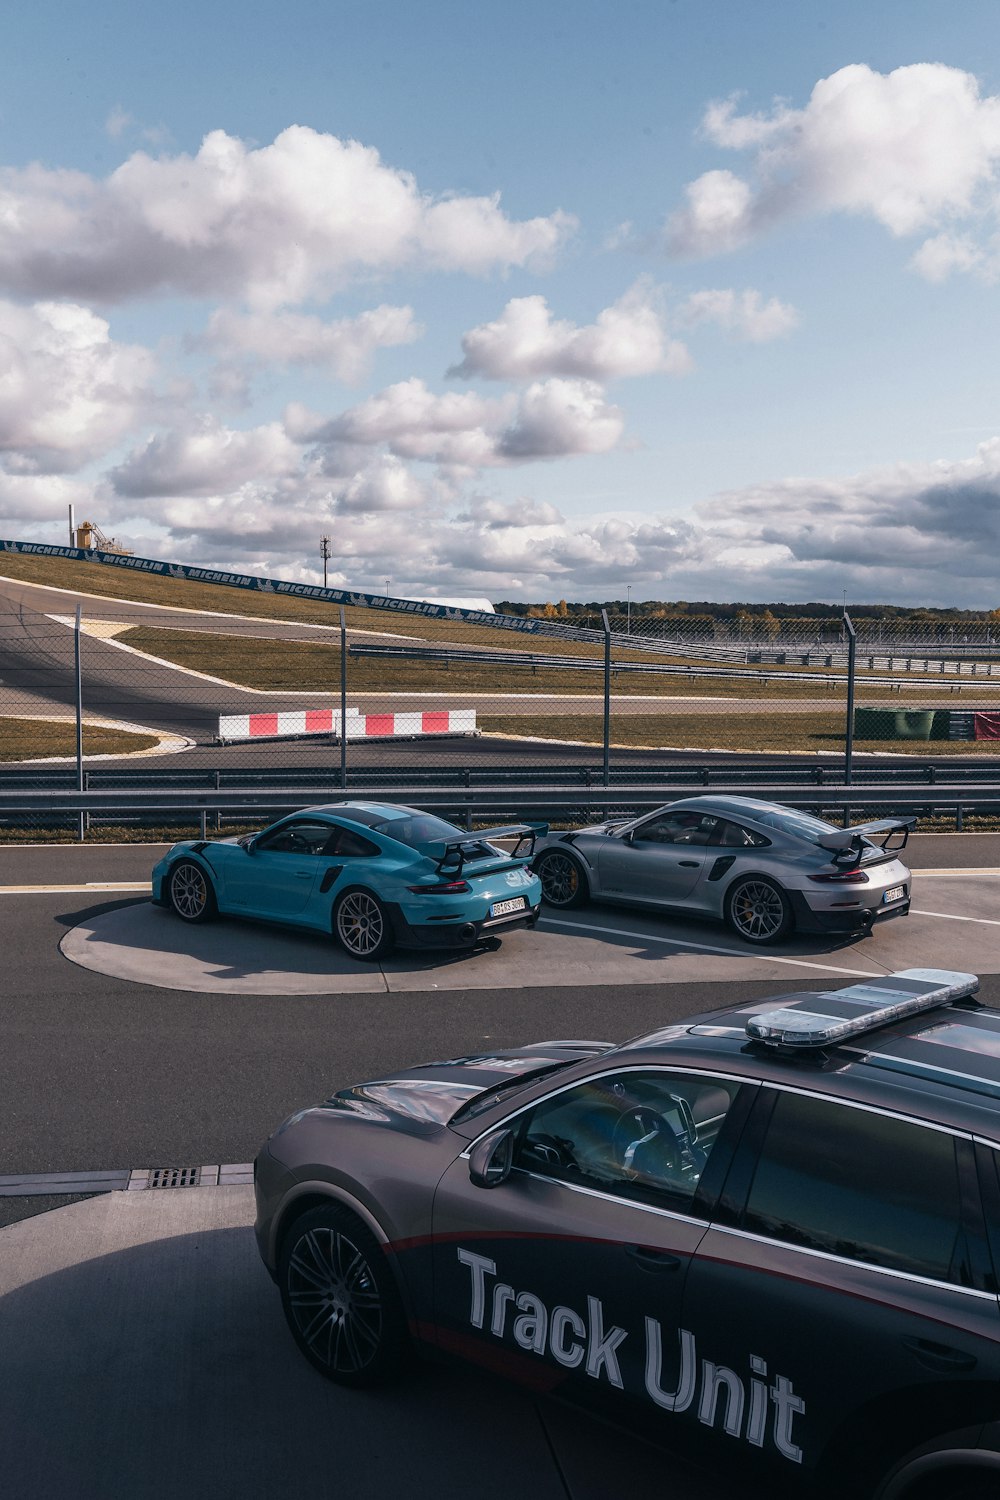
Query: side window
x=345, y=843
x=732, y=836
x=859, y=1185
x=677, y=828
x=297, y=838
x=644, y=1135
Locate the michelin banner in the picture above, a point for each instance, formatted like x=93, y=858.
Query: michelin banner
x=517, y=623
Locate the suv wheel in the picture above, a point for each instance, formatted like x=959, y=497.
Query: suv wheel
x=340, y=1299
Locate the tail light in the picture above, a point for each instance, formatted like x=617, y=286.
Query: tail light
x=445, y=888
x=842, y=877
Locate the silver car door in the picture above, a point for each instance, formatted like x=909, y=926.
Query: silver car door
x=660, y=860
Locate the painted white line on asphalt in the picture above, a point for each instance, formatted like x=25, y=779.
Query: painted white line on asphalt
x=645, y=937
x=65, y=890
x=950, y=916
x=956, y=874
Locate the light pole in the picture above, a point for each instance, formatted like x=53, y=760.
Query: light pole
x=628, y=609
x=387, y=583
x=324, y=552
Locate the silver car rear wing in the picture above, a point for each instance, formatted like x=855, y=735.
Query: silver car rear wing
x=847, y=843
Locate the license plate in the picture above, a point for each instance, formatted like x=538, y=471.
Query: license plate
x=502, y=908
x=895, y=893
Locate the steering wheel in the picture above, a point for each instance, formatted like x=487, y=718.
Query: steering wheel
x=644, y=1143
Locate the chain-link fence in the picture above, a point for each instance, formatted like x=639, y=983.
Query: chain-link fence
x=191, y=685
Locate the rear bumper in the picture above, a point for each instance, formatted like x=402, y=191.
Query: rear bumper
x=847, y=919
x=460, y=933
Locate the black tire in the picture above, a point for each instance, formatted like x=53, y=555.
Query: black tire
x=190, y=892
x=361, y=925
x=340, y=1299
x=564, y=883
x=758, y=910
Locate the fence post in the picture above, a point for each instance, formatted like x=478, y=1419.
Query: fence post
x=78, y=676
x=343, y=698
x=852, y=646
x=607, y=697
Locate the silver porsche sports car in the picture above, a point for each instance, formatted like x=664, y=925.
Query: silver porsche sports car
x=762, y=868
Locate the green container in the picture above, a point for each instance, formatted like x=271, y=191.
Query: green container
x=913, y=724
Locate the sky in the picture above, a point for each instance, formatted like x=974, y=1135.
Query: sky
x=666, y=299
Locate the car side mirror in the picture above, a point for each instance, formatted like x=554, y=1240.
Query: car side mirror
x=250, y=846
x=491, y=1159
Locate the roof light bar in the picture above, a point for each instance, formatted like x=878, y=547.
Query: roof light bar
x=860, y=1007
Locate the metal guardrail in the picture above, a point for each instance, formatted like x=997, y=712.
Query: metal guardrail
x=751, y=664
x=552, y=802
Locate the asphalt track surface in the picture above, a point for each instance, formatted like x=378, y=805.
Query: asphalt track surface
x=103, y=1063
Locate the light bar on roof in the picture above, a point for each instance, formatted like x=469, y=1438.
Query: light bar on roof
x=863, y=1007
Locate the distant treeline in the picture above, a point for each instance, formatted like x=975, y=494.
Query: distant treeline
x=663, y=609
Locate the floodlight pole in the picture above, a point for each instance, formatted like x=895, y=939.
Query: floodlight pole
x=607, y=697
x=852, y=646
x=78, y=674
x=324, y=552
x=343, y=698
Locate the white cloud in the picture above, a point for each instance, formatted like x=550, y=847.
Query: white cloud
x=344, y=348
x=920, y=533
x=556, y=418
x=628, y=338
x=550, y=419
x=205, y=460
x=717, y=216
x=744, y=314
x=386, y=485
x=275, y=224
x=944, y=253
x=67, y=390
x=911, y=149
x=118, y=122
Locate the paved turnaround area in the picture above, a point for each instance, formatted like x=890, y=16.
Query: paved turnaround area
x=142, y=1347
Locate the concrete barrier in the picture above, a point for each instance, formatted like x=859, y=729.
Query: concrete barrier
x=299, y=722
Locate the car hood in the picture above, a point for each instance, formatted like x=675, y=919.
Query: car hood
x=434, y=1091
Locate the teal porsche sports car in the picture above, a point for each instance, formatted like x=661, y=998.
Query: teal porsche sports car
x=372, y=873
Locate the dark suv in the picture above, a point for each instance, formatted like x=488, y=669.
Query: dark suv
x=768, y=1235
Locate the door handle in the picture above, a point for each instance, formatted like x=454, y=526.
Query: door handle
x=653, y=1260
x=939, y=1356
x=689, y=864
x=303, y=875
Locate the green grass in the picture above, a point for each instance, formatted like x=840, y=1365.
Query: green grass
x=275, y=664
x=785, y=732
x=37, y=739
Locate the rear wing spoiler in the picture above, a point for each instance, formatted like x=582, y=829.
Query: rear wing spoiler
x=455, y=854
x=846, y=843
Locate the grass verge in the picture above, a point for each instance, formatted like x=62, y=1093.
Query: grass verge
x=38, y=739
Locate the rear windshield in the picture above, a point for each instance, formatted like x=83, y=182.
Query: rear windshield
x=798, y=824
x=418, y=830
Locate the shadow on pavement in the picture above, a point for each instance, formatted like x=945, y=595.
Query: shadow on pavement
x=164, y=1368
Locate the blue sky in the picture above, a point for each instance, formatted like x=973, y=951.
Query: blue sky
x=531, y=301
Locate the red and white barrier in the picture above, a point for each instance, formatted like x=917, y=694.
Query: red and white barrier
x=304, y=721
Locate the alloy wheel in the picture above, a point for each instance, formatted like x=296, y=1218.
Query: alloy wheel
x=361, y=924
x=758, y=911
x=334, y=1300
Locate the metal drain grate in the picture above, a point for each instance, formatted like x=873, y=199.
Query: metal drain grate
x=174, y=1177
